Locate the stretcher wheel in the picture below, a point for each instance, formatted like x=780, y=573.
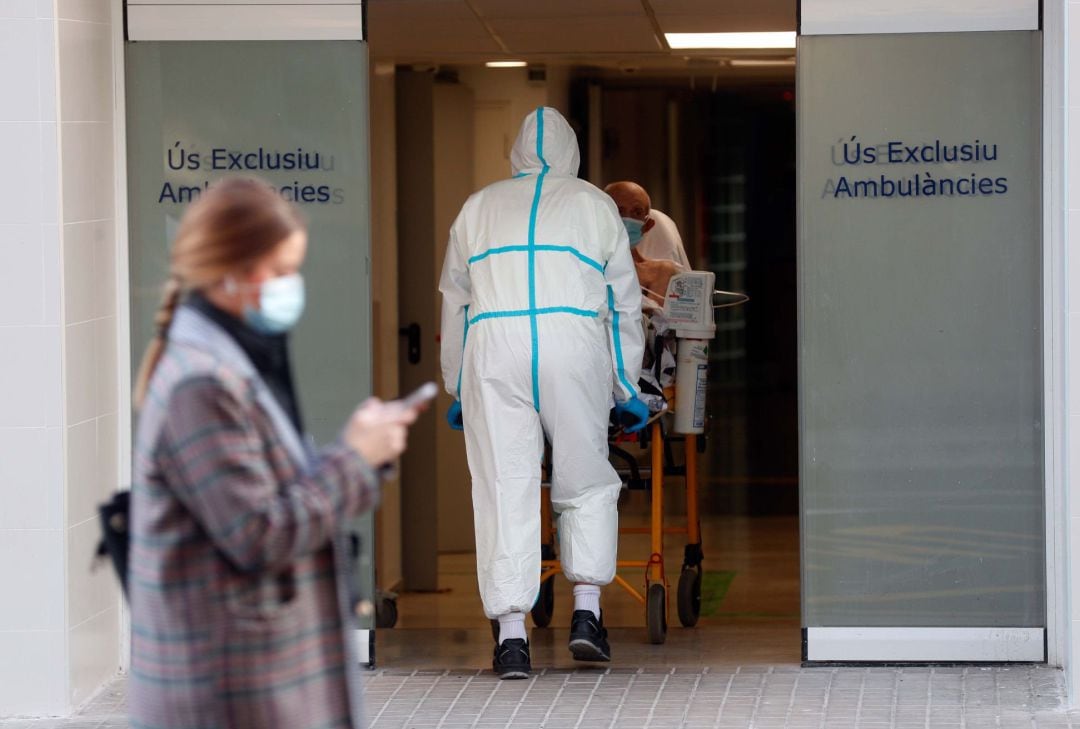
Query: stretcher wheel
x=689, y=597
x=656, y=614
x=544, y=608
x=386, y=612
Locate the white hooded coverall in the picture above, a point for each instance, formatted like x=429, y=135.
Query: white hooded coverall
x=541, y=326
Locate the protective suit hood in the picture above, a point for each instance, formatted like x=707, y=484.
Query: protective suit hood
x=545, y=140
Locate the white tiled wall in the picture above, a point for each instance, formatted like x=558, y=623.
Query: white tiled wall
x=88, y=225
x=59, y=420
x=33, y=625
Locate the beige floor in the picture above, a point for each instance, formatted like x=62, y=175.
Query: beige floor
x=733, y=671
x=756, y=624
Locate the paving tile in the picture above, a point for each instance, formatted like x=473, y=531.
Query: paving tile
x=761, y=697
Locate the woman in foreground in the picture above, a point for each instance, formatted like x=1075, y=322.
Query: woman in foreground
x=241, y=556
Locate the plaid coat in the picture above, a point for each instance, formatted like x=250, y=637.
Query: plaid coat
x=239, y=569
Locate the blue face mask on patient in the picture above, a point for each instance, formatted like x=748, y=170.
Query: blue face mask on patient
x=635, y=229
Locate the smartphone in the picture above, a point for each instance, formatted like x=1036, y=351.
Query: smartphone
x=417, y=398
x=420, y=396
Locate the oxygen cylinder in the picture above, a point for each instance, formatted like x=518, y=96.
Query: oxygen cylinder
x=691, y=385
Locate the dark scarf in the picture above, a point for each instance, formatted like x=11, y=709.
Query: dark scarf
x=269, y=353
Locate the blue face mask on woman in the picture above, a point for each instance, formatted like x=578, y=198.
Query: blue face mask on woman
x=281, y=304
x=635, y=229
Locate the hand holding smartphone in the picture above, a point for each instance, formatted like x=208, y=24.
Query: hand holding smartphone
x=413, y=403
x=419, y=397
x=379, y=430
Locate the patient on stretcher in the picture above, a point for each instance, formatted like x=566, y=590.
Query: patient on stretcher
x=658, y=255
x=658, y=365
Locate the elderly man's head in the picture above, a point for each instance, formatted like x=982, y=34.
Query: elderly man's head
x=634, y=205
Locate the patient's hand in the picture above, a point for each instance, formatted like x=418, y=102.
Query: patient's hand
x=654, y=275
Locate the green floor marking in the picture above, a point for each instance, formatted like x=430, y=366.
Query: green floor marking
x=714, y=588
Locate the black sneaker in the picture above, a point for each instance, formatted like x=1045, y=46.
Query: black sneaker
x=588, y=637
x=512, y=659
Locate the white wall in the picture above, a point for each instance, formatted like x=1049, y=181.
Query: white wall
x=58, y=399
x=33, y=621
x=88, y=231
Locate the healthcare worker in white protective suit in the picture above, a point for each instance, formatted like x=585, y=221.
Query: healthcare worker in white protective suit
x=541, y=335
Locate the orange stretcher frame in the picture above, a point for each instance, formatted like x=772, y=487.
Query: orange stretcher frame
x=655, y=597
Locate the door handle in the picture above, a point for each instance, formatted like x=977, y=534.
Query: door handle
x=412, y=342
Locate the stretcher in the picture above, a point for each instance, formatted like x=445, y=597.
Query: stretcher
x=657, y=440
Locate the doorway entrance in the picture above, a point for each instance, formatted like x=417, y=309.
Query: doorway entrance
x=711, y=136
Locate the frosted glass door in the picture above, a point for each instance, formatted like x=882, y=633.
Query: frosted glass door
x=920, y=345
x=294, y=113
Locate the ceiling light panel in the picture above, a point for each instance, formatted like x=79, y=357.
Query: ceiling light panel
x=731, y=41
x=761, y=62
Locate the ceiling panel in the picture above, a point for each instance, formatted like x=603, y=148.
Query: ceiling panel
x=755, y=15
x=598, y=35
x=418, y=10
x=557, y=8
x=426, y=29
x=424, y=39
x=601, y=31
x=713, y=23
x=765, y=7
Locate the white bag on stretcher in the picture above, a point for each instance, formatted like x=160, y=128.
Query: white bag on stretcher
x=688, y=310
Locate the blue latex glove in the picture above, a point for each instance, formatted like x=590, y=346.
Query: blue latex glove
x=453, y=416
x=632, y=414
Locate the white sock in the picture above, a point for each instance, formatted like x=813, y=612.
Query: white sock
x=587, y=597
x=511, y=626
